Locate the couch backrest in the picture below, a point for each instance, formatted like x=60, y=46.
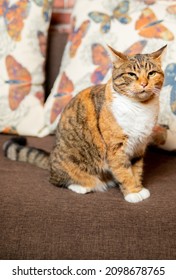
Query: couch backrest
x=56, y=44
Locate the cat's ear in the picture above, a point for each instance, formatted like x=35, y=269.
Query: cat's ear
x=159, y=54
x=117, y=58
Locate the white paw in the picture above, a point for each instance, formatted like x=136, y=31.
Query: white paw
x=79, y=189
x=137, y=197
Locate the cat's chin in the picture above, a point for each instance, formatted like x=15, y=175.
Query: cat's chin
x=140, y=96
x=143, y=96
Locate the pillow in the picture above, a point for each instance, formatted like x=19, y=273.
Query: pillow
x=23, y=37
x=130, y=26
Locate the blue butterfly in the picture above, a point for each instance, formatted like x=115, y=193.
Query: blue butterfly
x=170, y=79
x=119, y=13
x=46, y=7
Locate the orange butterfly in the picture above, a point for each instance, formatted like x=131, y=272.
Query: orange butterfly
x=135, y=48
x=76, y=36
x=150, y=27
x=172, y=9
x=9, y=130
x=149, y=2
x=40, y=96
x=19, y=81
x=14, y=16
x=101, y=58
x=62, y=97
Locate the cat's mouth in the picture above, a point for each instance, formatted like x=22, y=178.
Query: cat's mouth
x=144, y=95
x=141, y=95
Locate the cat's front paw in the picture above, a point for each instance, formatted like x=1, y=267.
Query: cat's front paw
x=137, y=197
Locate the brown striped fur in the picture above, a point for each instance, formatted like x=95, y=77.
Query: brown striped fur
x=91, y=146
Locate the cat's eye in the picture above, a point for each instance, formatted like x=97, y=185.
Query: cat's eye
x=151, y=73
x=132, y=74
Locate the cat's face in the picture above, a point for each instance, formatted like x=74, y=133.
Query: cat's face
x=139, y=77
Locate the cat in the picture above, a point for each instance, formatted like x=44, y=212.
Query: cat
x=103, y=132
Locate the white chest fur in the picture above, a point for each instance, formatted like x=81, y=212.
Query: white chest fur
x=136, y=119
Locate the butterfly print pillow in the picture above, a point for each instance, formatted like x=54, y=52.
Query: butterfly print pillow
x=24, y=27
x=133, y=26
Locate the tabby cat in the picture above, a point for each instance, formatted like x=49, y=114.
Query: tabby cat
x=103, y=132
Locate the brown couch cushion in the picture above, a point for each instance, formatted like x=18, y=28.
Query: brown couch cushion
x=41, y=221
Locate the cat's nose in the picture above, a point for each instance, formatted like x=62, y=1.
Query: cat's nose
x=144, y=83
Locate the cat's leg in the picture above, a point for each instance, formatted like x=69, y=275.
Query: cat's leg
x=61, y=179
x=124, y=173
x=87, y=184
x=137, y=168
x=78, y=181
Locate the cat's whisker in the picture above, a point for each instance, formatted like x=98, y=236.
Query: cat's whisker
x=157, y=91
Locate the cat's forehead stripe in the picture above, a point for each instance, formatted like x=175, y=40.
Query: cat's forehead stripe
x=140, y=61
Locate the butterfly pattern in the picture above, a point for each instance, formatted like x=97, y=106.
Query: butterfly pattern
x=10, y=130
x=46, y=8
x=100, y=58
x=170, y=79
x=62, y=97
x=120, y=13
x=23, y=34
x=136, y=47
x=149, y=2
x=150, y=27
x=40, y=96
x=76, y=36
x=14, y=16
x=19, y=82
x=172, y=9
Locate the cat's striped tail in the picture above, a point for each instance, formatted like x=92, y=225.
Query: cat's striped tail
x=16, y=149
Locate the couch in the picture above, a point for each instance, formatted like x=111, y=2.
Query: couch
x=41, y=221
